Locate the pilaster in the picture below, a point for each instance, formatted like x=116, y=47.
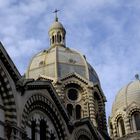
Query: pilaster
x=127, y=126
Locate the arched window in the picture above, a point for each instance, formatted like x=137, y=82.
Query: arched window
x=43, y=130
x=70, y=109
x=33, y=129
x=136, y=121
x=78, y=111
x=52, y=39
x=121, y=128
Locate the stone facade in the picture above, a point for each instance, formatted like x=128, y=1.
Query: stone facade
x=59, y=98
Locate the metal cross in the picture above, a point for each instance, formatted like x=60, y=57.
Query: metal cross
x=55, y=11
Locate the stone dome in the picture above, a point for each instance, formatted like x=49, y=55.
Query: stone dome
x=57, y=62
x=56, y=25
x=126, y=96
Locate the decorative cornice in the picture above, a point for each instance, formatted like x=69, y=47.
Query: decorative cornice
x=8, y=63
x=46, y=78
x=76, y=76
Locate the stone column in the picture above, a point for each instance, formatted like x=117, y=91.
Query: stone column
x=120, y=129
x=37, y=134
x=114, y=130
x=111, y=132
x=134, y=124
x=127, y=126
x=110, y=127
x=28, y=130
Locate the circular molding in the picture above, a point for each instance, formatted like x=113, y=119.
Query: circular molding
x=73, y=96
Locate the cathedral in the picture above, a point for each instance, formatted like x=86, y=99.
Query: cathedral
x=58, y=98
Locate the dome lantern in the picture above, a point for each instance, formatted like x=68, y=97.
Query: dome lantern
x=57, y=33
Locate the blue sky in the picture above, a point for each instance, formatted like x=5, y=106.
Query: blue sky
x=106, y=31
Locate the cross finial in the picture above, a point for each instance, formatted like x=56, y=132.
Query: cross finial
x=55, y=11
x=137, y=76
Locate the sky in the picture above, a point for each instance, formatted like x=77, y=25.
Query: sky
x=107, y=32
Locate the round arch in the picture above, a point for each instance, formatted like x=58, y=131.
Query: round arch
x=134, y=117
x=39, y=102
x=118, y=115
x=132, y=110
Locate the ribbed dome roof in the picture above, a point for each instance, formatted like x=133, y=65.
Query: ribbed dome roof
x=56, y=25
x=127, y=95
x=57, y=62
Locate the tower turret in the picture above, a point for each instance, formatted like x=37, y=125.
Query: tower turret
x=57, y=33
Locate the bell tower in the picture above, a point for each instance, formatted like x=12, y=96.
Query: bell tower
x=57, y=33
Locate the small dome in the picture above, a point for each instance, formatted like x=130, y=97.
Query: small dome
x=126, y=96
x=57, y=34
x=56, y=25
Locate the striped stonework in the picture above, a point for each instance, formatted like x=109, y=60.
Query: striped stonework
x=7, y=97
x=39, y=102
